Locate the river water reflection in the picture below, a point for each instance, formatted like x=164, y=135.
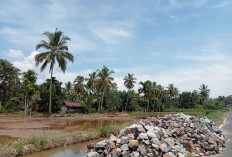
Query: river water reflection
x=76, y=150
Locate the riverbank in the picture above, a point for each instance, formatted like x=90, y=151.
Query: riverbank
x=46, y=141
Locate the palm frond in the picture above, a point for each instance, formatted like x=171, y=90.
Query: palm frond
x=67, y=55
x=62, y=62
x=43, y=44
x=44, y=66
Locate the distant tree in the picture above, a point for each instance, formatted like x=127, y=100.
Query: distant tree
x=69, y=91
x=172, y=92
x=88, y=101
x=29, y=79
x=104, y=83
x=146, y=90
x=57, y=92
x=92, y=82
x=57, y=51
x=9, y=81
x=204, y=93
x=79, y=87
x=112, y=100
x=129, y=82
x=186, y=100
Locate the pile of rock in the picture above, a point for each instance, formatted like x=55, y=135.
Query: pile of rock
x=169, y=136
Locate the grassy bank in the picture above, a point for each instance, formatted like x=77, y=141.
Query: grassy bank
x=215, y=115
x=35, y=144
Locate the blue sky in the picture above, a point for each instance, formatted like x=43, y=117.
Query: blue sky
x=184, y=42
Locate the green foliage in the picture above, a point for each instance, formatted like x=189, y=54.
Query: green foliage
x=105, y=131
x=9, y=82
x=213, y=104
x=186, y=100
x=57, y=92
x=112, y=101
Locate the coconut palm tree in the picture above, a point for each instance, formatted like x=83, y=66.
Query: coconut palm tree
x=172, y=92
x=92, y=82
x=147, y=91
x=56, y=51
x=129, y=82
x=204, y=93
x=79, y=87
x=104, y=83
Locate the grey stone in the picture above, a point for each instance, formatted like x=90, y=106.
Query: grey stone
x=92, y=154
x=155, y=141
x=156, y=147
x=142, y=149
x=216, y=129
x=146, y=142
x=133, y=127
x=124, y=140
x=170, y=142
x=121, y=132
x=131, y=136
x=135, y=154
x=140, y=128
x=151, y=134
x=124, y=147
x=142, y=136
x=113, y=138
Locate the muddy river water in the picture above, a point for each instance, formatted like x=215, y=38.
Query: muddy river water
x=76, y=150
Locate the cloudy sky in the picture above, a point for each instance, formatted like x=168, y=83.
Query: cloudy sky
x=184, y=42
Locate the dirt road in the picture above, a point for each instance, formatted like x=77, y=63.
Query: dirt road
x=227, y=130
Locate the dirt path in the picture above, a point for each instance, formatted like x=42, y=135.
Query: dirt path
x=227, y=130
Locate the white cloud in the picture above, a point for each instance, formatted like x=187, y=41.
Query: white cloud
x=110, y=35
x=205, y=56
x=119, y=32
x=15, y=53
x=220, y=4
x=27, y=62
x=218, y=77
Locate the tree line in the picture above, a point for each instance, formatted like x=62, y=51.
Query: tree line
x=97, y=93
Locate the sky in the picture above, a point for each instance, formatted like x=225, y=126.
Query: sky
x=182, y=42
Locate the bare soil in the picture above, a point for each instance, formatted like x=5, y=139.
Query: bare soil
x=15, y=126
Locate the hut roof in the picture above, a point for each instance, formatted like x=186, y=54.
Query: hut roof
x=72, y=104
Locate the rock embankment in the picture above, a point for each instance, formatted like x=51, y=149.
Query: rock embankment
x=170, y=136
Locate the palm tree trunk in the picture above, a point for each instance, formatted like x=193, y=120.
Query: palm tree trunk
x=102, y=101
x=25, y=105
x=126, y=102
x=50, y=100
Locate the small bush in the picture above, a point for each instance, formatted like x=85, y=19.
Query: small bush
x=105, y=131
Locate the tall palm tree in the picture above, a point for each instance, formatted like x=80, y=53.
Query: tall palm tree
x=147, y=91
x=104, y=83
x=68, y=90
x=92, y=82
x=129, y=82
x=172, y=92
x=162, y=95
x=204, y=93
x=79, y=87
x=57, y=51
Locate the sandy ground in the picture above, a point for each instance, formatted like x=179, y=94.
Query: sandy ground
x=24, y=127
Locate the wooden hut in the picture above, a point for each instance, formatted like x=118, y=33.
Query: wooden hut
x=72, y=106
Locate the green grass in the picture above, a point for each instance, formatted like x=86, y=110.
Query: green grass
x=215, y=115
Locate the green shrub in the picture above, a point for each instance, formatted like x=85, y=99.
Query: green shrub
x=105, y=131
